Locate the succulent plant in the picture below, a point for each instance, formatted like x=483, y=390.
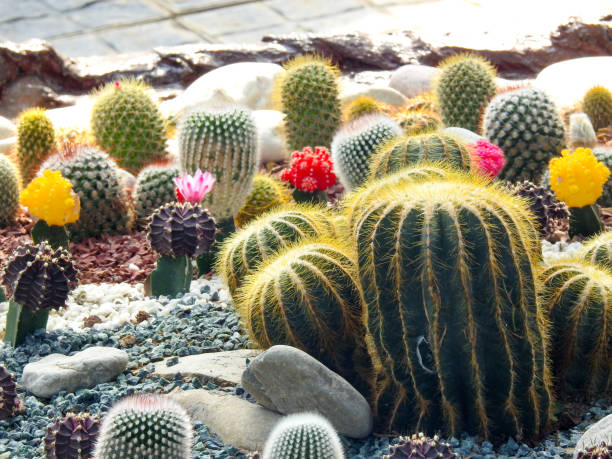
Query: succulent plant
x=464, y=85
x=598, y=249
x=601, y=451
x=581, y=132
x=526, y=125
x=35, y=140
x=128, y=124
x=551, y=214
x=415, y=122
x=424, y=101
x=446, y=268
x=577, y=299
x=353, y=146
x=149, y=425
x=9, y=402
x=311, y=173
x=9, y=198
x=303, y=436
x=604, y=154
x=268, y=192
x=154, y=188
x=420, y=447
x=73, y=437
x=487, y=159
x=411, y=150
x=309, y=96
x=361, y=106
x=597, y=104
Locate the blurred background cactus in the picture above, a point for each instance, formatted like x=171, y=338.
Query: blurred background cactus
x=9, y=197
x=581, y=132
x=35, y=140
x=268, y=192
x=361, y=106
x=154, y=188
x=597, y=104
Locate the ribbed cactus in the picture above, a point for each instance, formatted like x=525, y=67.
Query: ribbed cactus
x=150, y=426
x=420, y=447
x=128, y=124
x=597, y=104
x=464, y=85
x=581, y=132
x=598, y=250
x=267, y=193
x=154, y=188
x=9, y=403
x=105, y=206
x=446, y=268
x=35, y=140
x=303, y=436
x=353, y=146
x=604, y=154
x=577, y=299
x=417, y=121
x=409, y=151
x=9, y=196
x=73, y=437
x=223, y=142
x=260, y=241
x=309, y=96
x=526, y=125
x=307, y=297
x=361, y=106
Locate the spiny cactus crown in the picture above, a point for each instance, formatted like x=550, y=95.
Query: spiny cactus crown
x=73, y=437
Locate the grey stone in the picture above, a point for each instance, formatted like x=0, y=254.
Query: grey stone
x=221, y=368
x=7, y=129
x=288, y=380
x=297, y=10
x=100, y=14
x=90, y=44
x=22, y=9
x=413, y=79
x=43, y=27
x=85, y=369
x=599, y=432
x=272, y=145
x=237, y=422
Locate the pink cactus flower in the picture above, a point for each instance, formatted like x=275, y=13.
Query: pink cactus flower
x=488, y=159
x=193, y=189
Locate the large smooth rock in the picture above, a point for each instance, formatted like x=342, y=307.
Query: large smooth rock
x=351, y=91
x=271, y=139
x=7, y=144
x=244, y=83
x=221, y=368
x=567, y=82
x=7, y=129
x=85, y=369
x=237, y=422
x=288, y=380
x=595, y=434
x=413, y=79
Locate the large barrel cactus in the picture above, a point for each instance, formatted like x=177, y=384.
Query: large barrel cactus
x=446, y=267
x=577, y=298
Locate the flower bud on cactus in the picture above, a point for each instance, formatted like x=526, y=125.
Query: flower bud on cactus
x=581, y=132
x=154, y=188
x=303, y=436
x=598, y=250
x=73, y=437
x=9, y=198
x=487, y=159
x=311, y=174
x=145, y=426
x=601, y=451
x=597, y=104
x=35, y=139
x=420, y=447
x=9, y=403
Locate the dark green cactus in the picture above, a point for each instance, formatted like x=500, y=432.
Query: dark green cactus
x=411, y=150
x=598, y=250
x=35, y=140
x=446, y=267
x=9, y=197
x=154, y=188
x=73, y=437
x=577, y=298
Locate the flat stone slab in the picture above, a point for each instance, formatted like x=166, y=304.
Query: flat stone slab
x=221, y=368
x=237, y=422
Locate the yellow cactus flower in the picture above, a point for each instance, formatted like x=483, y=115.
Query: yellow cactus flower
x=577, y=178
x=51, y=199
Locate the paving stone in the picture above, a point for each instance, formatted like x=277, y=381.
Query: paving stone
x=221, y=368
x=146, y=36
x=44, y=27
x=189, y=6
x=109, y=13
x=296, y=10
x=89, y=44
x=361, y=20
x=66, y=5
x=256, y=35
x=10, y=10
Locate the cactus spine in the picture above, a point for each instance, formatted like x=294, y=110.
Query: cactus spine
x=446, y=269
x=35, y=140
x=361, y=106
x=9, y=402
x=9, y=197
x=154, y=188
x=581, y=132
x=597, y=104
x=268, y=192
x=72, y=438
x=598, y=250
x=464, y=86
x=577, y=297
x=308, y=94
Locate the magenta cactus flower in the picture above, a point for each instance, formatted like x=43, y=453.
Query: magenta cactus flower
x=192, y=189
x=487, y=159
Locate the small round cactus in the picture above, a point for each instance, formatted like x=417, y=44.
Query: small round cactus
x=303, y=436
x=9, y=403
x=149, y=425
x=39, y=277
x=361, y=106
x=581, y=132
x=267, y=193
x=420, y=447
x=154, y=188
x=35, y=139
x=73, y=437
x=417, y=121
x=598, y=250
x=9, y=197
x=181, y=229
x=597, y=104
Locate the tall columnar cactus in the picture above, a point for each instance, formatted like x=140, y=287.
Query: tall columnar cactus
x=261, y=240
x=411, y=150
x=309, y=96
x=581, y=132
x=464, y=86
x=145, y=426
x=446, y=268
x=353, y=146
x=35, y=140
x=105, y=206
x=154, y=188
x=128, y=124
x=577, y=298
x=598, y=250
x=308, y=297
x=526, y=125
x=9, y=197
x=597, y=104
x=303, y=436
x=73, y=437
x=268, y=192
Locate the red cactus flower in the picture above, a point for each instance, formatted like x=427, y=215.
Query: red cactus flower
x=487, y=158
x=310, y=171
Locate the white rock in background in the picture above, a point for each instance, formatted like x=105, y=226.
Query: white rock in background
x=463, y=134
x=7, y=144
x=271, y=139
x=351, y=91
x=567, y=81
x=244, y=83
x=7, y=129
x=74, y=116
x=85, y=369
x=412, y=79
x=599, y=432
